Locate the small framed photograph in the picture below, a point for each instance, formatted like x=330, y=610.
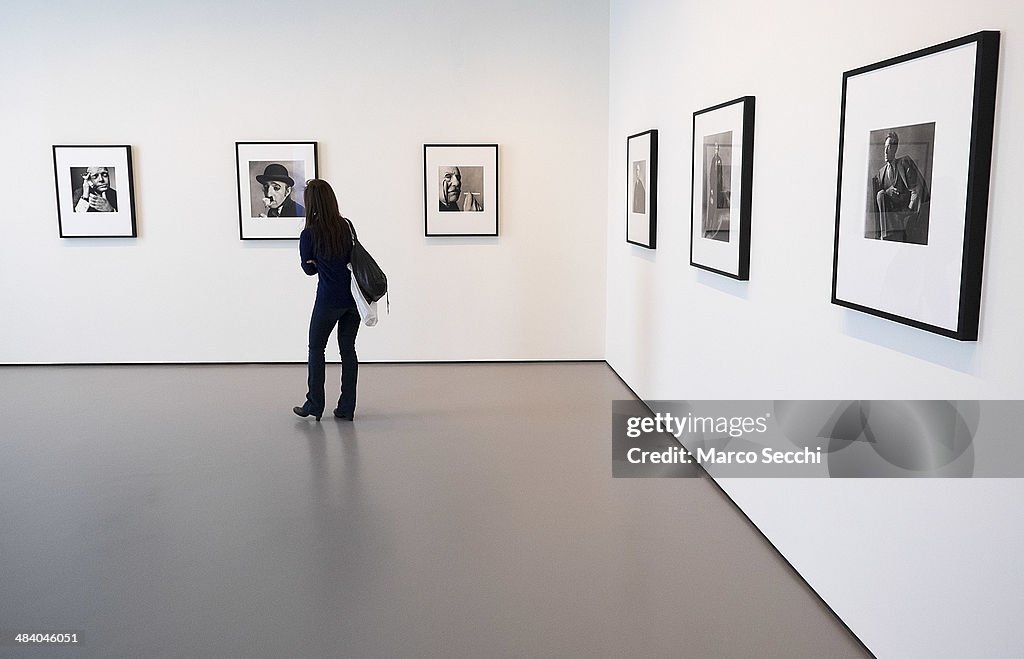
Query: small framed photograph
x=460, y=189
x=720, y=192
x=95, y=191
x=271, y=182
x=915, y=153
x=642, y=189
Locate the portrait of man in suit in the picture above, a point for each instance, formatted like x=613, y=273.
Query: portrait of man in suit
x=640, y=187
x=899, y=190
x=717, y=195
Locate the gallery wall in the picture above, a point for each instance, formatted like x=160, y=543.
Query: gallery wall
x=916, y=568
x=371, y=82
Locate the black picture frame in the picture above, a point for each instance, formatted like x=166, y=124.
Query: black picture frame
x=910, y=233
x=111, y=213
x=642, y=189
x=273, y=162
x=470, y=172
x=720, y=203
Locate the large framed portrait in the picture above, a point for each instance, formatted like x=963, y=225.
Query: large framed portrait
x=271, y=182
x=642, y=189
x=460, y=189
x=95, y=191
x=915, y=152
x=720, y=191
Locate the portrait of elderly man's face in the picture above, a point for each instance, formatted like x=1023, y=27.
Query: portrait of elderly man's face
x=450, y=184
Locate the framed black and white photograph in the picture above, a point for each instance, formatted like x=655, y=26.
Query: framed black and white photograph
x=720, y=191
x=271, y=182
x=460, y=189
x=915, y=156
x=95, y=191
x=642, y=189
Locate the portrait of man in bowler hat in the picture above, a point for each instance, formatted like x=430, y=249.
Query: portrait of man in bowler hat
x=277, y=192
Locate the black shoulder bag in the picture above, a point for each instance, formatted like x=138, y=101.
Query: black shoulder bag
x=370, y=278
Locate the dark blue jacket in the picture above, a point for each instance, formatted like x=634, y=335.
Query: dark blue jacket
x=334, y=289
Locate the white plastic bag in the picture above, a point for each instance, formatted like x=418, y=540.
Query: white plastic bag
x=367, y=310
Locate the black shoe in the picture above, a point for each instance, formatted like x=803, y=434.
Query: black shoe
x=303, y=413
x=341, y=415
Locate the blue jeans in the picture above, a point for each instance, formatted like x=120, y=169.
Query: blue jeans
x=321, y=323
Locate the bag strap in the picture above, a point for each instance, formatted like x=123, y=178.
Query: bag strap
x=351, y=229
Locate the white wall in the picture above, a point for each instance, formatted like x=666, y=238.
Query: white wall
x=915, y=568
x=371, y=82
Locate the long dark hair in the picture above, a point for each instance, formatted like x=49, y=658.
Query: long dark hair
x=331, y=237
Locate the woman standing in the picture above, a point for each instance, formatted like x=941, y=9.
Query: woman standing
x=324, y=248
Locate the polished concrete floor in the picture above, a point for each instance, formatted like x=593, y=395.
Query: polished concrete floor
x=469, y=511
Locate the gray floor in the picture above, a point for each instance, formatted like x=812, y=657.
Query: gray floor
x=468, y=512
